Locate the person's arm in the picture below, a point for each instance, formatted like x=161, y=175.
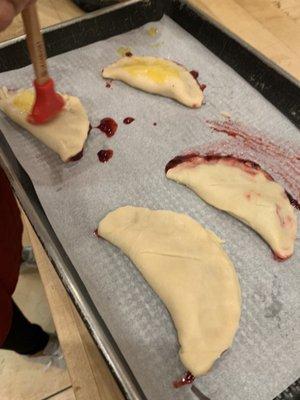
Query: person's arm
x=9, y=9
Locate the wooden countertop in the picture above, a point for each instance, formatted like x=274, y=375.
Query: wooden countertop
x=89, y=375
x=273, y=28
x=51, y=12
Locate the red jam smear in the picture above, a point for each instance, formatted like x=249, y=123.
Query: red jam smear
x=187, y=379
x=249, y=166
x=225, y=127
x=108, y=126
x=180, y=159
x=105, y=155
x=77, y=156
x=128, y=120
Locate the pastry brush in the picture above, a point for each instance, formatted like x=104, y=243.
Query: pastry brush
x=48, y=103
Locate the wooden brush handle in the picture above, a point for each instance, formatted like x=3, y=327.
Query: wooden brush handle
x=35, y=43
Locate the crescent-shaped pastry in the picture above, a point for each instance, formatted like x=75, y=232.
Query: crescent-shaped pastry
x=187, y=267
x=157, y=76
x=65, y=134
x=244, y=190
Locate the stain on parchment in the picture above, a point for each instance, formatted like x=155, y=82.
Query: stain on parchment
x=275, y=306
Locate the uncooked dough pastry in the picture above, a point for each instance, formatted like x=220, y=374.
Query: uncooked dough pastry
x=158, y=76
x=65, y=134
x=187, y=267
x=243, y=190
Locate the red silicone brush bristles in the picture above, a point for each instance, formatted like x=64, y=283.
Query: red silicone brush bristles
x=47, y=104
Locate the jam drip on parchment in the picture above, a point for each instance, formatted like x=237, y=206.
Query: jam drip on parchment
x=105, y=155
x=194, y=74
x=108, y=126
x=187, y=379
x=128, y=120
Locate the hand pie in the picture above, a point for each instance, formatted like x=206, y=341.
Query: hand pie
x=65, y=134
x=157, y=76
x=244, y=190
x=187, y=267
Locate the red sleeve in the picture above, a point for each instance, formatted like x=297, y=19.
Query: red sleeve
x=10, y=251
x=10, y=236
x=5, y=313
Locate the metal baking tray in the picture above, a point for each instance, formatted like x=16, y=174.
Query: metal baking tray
x=274, y=84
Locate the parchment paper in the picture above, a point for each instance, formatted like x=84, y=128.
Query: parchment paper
x=265, y=357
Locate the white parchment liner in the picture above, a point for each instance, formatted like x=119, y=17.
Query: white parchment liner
x=265, y=357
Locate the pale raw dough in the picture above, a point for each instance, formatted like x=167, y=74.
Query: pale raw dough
x=65, y=134
x=247, y=193
x=158, y=76
x=187, y=267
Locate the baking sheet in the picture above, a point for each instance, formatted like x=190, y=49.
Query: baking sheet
x=264, y=359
